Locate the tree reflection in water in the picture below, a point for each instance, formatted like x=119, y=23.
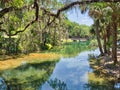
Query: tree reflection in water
x=57, y=84
x=28, y=77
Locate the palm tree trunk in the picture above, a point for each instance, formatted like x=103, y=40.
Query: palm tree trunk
x=114, y=44
x=104, y=46
x=98, y=37
x=109, y=33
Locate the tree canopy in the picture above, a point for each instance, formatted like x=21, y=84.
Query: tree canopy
x=42, y=22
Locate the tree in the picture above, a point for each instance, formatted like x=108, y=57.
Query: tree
x=30, y=12
x=109, y=17
x=96, y=15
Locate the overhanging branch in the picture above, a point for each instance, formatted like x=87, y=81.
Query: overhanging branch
x=6, y=10
x=73, y=4
x=32, y=22
x=55, y=15
x=10, y=9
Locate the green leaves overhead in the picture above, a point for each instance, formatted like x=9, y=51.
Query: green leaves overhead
x=29, y=1
x=13, y=3
x=4, y=3
x=19, y=14
x=18, y=3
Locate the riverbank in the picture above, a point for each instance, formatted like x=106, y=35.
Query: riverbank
x=67, y=50
x=105, y=70
x=31, y=58
x=23, y=71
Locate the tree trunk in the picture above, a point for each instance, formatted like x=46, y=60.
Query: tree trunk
x=108, y=33
x=114, y=44
x=9, y=45
x=104, y=45
x=54, y=37
x=98, y=37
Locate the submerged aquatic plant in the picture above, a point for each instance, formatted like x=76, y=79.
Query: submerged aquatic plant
x=28, y=75
x=71, y=48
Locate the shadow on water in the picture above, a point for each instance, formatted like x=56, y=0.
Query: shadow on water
x=29, y=76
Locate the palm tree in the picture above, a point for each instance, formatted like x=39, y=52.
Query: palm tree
x=109, y=12
x=94, y=13
x=114, y=26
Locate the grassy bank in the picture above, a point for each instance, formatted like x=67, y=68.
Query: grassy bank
x=30, y=71
x=31, y=58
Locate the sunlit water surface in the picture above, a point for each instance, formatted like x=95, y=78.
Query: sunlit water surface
x=70, y=73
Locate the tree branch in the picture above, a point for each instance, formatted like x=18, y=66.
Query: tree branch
x=32, y=22
x=56, y=15
x=6, y=10
x=3, y=30
x=9, y=9
x=73, y=4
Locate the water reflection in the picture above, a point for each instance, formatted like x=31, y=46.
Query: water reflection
x=68, y=74
x=57, y=84
x=72, y=71
x=29, y=76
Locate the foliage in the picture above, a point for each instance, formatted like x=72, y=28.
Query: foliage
x=35, y=27
x=106, y=26
x=49, y=46
x=93, y=43
x=76, y=30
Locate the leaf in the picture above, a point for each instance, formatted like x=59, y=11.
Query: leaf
x=18, y=3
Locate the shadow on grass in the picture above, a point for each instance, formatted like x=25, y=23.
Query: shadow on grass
x=101, y=78
x=99, y=86
x=29, y=76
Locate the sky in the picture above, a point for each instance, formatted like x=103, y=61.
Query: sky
x=75, y=15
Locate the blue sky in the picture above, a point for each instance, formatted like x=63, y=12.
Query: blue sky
x=75, y=15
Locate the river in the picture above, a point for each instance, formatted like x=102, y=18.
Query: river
x=70, y=73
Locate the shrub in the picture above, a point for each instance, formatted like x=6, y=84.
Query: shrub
x=48, y=46
x=93, y=43
x=2, y=51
